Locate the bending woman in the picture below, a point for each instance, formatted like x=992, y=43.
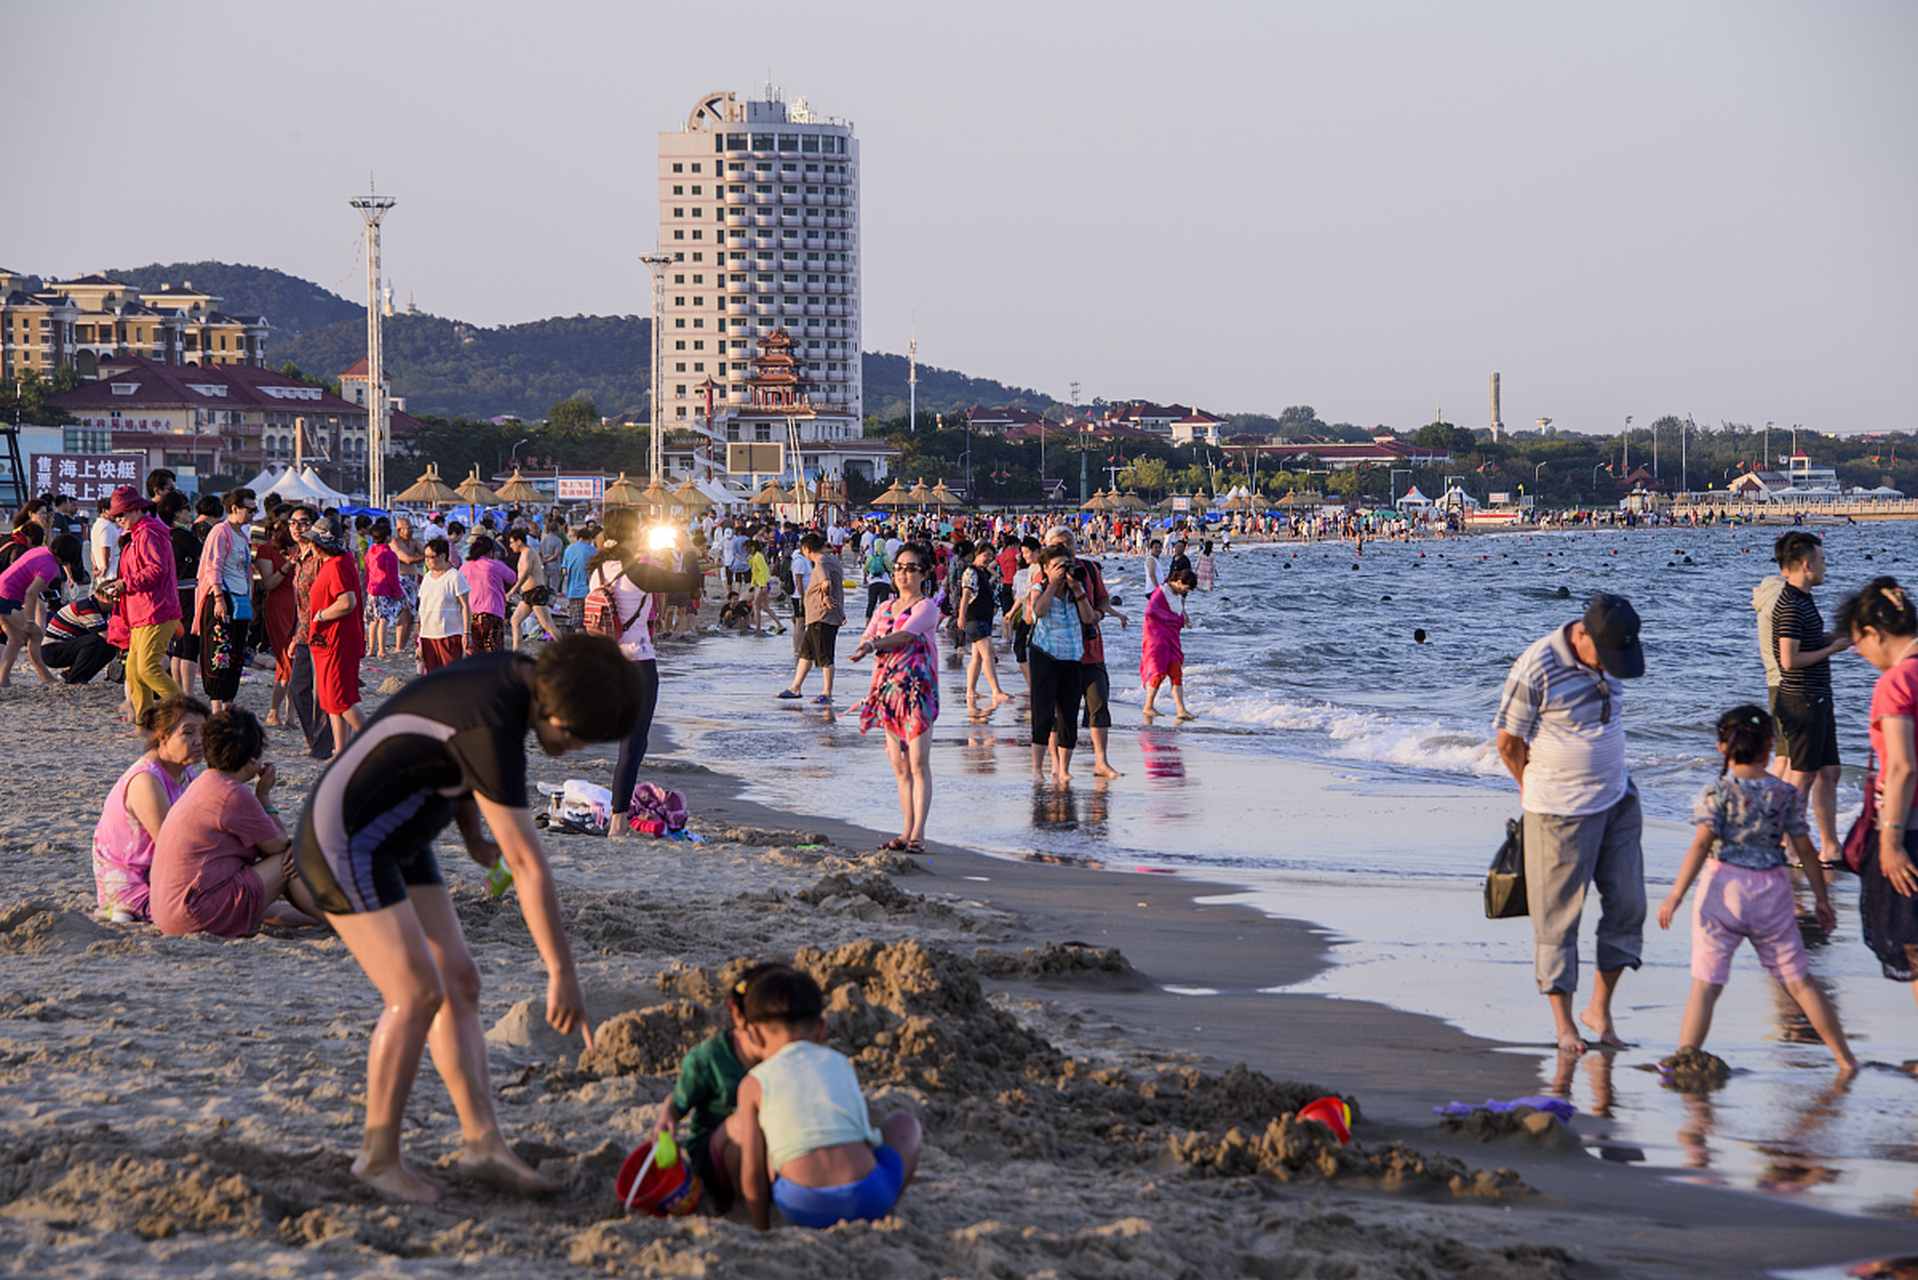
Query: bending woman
x=139, y=803
x=904, y=695
x=624, y=568
x=223, y=600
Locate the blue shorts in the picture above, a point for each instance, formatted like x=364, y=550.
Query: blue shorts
x=870, y=1198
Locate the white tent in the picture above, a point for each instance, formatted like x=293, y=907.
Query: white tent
x=293, y=487
x=719, y=493
x=1413, y=498
x=321, y=488
x=263, y=483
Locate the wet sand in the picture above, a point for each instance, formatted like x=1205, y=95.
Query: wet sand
x=181, y=1106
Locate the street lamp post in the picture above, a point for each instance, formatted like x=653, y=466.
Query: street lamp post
x=1535, y=470
x=1684, y=480
x=1767, y=454
x=512, y=459
x=656, y=264
x=1626, y=434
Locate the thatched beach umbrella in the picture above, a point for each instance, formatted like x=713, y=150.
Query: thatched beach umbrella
x=429, y=490
x=894, y=496
x=658, y=497
x=473, y=492
x=769, y=495
x=689, y=496
x=1131, y=501
x=920, y=494
x=624, y=493
x=517, y=490
x=1097, y=502
x=946, y=497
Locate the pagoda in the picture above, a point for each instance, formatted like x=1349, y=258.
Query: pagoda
x=778, y=382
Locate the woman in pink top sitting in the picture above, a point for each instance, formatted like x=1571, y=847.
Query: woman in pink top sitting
x=139, y=802
x=20, y=586
x=223, y=859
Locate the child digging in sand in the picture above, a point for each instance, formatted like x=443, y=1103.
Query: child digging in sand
x=808, y=1144
x=707, y=1097
x=1745, y=891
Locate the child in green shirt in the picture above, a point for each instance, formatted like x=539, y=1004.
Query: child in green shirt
x=707, y=1094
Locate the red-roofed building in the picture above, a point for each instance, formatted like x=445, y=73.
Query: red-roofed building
x=1006, y=419
x=1384, y=451
x=217, y=419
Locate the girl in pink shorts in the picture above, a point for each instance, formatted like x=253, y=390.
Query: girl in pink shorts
x=1744, y=891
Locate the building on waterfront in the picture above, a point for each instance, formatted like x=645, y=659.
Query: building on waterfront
x=780, y=412
x=216, y=419
x=91, y=318
x=759, y=210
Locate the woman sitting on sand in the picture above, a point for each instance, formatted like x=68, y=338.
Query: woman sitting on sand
x=139, y=802
x=222, y=858
x=904, y=695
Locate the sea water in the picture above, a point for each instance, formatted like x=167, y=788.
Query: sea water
x=1304, y=667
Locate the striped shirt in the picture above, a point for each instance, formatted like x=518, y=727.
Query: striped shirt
x=1796, y=617
x=1573, y=719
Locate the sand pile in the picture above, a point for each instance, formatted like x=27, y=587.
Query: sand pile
x=1693, y=1070
x=1523, y=1123
x=924, y=1036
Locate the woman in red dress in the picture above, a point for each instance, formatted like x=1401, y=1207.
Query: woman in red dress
x=339, y=635
x=278, y=609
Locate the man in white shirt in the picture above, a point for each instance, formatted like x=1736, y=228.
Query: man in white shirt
x=103, y=543
x=1561, y=732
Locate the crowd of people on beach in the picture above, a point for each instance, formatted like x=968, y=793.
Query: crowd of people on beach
x=1560, y=729
x=527, y=622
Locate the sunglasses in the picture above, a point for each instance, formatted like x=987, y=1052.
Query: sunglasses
x=909, y=568
x=1604, y=699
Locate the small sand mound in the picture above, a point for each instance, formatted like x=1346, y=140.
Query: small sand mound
x=1693, y=1070
x=1527, y=1123
x=38, y=928
x=646, y=1041
x=1057, y=962
x=759, y=837
x=1292, y=1150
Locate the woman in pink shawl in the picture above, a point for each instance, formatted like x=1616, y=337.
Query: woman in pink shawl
x=1161, y=656
x=223, y=600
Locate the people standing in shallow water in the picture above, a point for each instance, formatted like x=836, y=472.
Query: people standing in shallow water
x=451, y=748
x=1561, y=732
x=1804, y=704
x=1161, y=654
x=1737, y=857
x=1883, y=627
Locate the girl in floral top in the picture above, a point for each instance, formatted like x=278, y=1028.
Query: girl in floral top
x=1744, y=891
x=904, y=696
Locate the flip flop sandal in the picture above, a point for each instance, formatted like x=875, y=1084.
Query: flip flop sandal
x=894, y=845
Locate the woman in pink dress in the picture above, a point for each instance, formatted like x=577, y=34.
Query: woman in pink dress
x=222, y=859
x=1161, y=655
x=904, y=696
x=139, y=803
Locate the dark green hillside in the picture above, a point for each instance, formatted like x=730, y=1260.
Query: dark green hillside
x=291, y=305
x=940, y=390
x=452, y=369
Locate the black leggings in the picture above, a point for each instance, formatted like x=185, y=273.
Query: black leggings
x=1056, y=689
x=877, y=593
x=633, y=750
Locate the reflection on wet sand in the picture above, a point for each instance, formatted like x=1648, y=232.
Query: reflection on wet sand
x=1597, y=1070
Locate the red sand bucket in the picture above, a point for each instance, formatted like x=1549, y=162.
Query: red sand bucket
x=1333, y=1114
x=669, y=1192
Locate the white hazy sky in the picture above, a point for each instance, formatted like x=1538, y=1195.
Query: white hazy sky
x=1626, y=207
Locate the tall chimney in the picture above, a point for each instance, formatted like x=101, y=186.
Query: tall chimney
x=1496, y=424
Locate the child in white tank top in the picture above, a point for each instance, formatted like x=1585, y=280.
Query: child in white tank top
x=809, y=1144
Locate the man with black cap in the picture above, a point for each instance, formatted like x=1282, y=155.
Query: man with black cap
x=1561, y=731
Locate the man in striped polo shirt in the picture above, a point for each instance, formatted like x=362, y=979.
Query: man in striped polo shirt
x=1561, y=731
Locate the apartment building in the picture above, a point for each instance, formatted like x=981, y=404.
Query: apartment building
x=91, y=318
x=759, y=209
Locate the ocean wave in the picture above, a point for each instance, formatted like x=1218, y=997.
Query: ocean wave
x=1354, y=734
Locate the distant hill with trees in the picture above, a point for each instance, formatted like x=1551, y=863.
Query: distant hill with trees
x=887, y=394
x=291, y=305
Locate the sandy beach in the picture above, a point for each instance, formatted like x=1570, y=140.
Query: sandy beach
x=189, y=1106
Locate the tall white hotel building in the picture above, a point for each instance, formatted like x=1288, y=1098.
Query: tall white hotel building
x=759, y=209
